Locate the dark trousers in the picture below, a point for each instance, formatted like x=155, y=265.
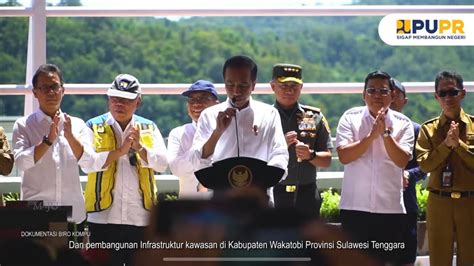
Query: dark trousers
x=76, y=231
x=410, y=237
x=382, y=232
x=117, y=233
x=308, y=201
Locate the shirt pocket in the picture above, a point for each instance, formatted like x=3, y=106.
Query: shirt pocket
x=104, y=143
x=146, y=137
x=470, y=142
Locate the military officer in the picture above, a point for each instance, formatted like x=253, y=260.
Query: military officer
x=445, y=149
x=308, y=138
x=6, y=157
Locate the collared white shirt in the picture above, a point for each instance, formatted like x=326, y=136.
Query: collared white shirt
x=180, y=141
x=373, y=182
x=259, y=135
x=55, y=177
x=127, y=205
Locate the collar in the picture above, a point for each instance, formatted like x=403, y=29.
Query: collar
x=279, y=107
x=367, y=114
x=388, y=116
x=40, y=116
x=462, y=117
x=288, y=113
x=229, y=104
x=111, y=120
x=257, y=114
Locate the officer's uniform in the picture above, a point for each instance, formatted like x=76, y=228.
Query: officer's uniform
x=450, y=210
x=6, y=156
x=313, y=129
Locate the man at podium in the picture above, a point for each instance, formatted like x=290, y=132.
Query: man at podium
x=240, y=127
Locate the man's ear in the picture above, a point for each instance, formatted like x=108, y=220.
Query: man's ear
x=34, y=93
x=139, y=102
x=272, y=85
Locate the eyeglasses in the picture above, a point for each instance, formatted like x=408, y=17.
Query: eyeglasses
x=194, y=100
x=382, y=91
x=453, y=92
x=47, y=88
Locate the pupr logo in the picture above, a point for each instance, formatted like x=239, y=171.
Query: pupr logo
x=435, y=26
x=427, y=29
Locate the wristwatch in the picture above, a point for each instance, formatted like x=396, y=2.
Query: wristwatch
x=313, y=155
x=46, y=141
x=387, y=133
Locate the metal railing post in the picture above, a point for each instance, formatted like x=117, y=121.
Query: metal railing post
x=36, y=49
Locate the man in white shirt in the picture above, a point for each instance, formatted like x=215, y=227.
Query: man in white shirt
x=121, y=187
x=257, y=132
x=47, y=148
x=375, y=144
x=200, y=95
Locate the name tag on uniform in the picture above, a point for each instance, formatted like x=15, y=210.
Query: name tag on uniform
x=290, y=188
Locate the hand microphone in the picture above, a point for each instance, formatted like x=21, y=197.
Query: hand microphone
x=132, y=157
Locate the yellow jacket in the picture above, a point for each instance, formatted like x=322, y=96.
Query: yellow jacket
x=98, y=195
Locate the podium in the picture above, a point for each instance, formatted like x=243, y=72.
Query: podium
x=239, y=172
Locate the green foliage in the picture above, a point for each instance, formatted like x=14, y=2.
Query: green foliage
x=330, y=206
x=157, y=50
x=422, y=199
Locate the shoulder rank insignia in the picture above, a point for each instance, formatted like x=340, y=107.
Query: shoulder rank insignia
x=326, y=125
x=311, y=108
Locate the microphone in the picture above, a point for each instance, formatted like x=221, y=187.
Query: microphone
x=232, y=103
x=132, y=158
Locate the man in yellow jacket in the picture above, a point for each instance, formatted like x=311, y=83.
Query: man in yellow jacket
x=445, y=149
x=121, y=187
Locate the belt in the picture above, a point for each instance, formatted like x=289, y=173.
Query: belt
x=454, y=194
x=290, y=188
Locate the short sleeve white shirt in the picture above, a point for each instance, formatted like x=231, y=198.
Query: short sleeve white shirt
x=373, y=182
